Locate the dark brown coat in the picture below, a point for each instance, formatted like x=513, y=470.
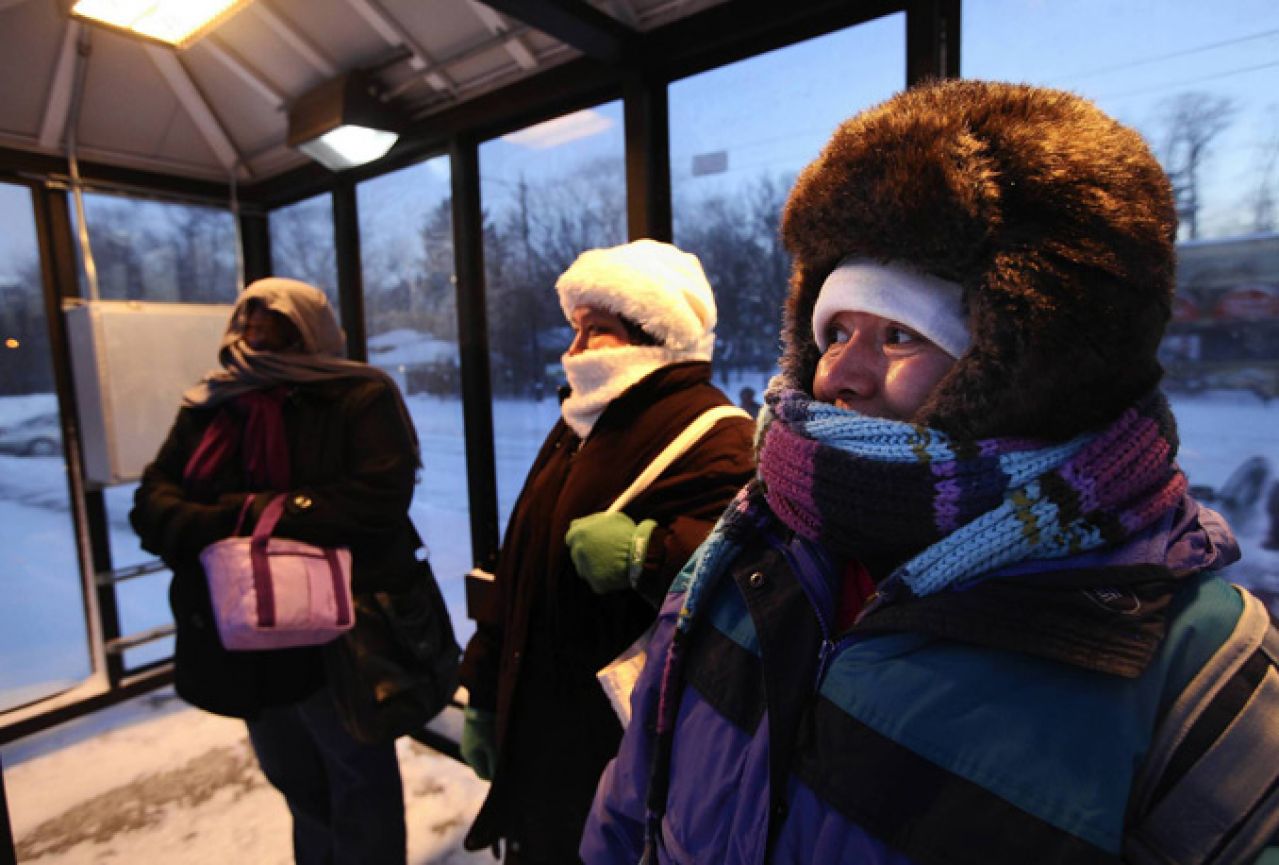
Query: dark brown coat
x=353, y=464
x=536, y=664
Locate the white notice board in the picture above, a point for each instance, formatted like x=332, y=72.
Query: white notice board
x=131, y=361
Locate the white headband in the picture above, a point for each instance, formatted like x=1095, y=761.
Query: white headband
x=928, y=305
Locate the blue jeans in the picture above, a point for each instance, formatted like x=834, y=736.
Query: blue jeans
x=346, y=797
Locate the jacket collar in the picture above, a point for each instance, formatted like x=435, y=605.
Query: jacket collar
x=1106, y=611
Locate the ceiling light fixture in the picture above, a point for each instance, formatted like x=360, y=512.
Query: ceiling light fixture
x=177, y=23
x=343, y=123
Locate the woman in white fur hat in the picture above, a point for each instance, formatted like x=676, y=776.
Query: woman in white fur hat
x=576, y=585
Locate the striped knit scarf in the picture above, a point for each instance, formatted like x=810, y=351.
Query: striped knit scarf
x=951, y=512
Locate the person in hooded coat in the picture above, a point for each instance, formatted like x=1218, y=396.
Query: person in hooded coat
x=575, y=586
x=285, y=414
x=944, y=622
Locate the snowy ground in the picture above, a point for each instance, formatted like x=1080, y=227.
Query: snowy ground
x=155, y=781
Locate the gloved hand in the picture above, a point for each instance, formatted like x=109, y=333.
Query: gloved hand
x=608, y=549
x=479, y=742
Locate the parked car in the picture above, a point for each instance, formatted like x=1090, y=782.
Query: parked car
x=39, y=436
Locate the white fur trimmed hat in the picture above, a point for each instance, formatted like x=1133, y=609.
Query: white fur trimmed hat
x=659, y=287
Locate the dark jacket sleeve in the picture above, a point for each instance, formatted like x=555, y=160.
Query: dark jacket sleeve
x=169, y=524
x=481, y=662
x=688, y=499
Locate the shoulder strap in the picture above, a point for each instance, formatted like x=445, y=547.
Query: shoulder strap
x=676, y=449
x=1208, y=792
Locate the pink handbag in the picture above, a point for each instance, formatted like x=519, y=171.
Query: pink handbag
x=274, y=593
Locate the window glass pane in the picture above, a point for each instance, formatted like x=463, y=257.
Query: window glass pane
x=159, y=251
x=410, y=317
x=738, y=136
x=302, y=245
x=43, y=644
x=549, y=192
x=141, y=602
x=1198, y=81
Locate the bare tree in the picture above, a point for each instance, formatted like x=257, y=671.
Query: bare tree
x=526, y=247
x=738, y=240
x=1191, y=122
x=1265, y=197
x=203, y=243
x=302, y=244
x=27, y=368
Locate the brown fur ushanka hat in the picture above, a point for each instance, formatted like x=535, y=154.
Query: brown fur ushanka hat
x=1057, y=221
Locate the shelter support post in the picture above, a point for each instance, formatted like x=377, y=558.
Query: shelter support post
x=473, y=346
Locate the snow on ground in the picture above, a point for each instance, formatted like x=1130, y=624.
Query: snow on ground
x=156, y=781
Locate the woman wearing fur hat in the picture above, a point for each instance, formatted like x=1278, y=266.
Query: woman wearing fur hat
x=285, y=413
x=967, y=585
x=575, y=585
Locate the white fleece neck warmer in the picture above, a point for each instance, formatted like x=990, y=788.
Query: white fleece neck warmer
x=601, y=375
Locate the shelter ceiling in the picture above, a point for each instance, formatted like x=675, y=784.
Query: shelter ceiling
x=221, y=105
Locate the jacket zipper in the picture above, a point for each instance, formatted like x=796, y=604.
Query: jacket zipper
x=831, y=647
x=826, y=649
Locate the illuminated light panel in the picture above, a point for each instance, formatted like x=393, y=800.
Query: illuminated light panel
x=349, y=146
x=173, y=22
x=11, y=343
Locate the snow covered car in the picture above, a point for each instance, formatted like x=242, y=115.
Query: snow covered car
x=38, y=436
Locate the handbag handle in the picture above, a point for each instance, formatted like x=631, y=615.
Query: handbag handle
x=263, y=588
x=266, y=522
x=244, y=513
x=270, y=516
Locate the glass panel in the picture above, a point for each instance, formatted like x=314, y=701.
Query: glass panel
x=739, y=136
x=161, y=649
x=159, y=251
x=550, y=191
x=142, y=602
x=43, y=643
x=1198, y=81
x=302, y=245
x=410, y=315
x=126, y=549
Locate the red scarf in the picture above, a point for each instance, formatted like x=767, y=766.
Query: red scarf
x=253, y=424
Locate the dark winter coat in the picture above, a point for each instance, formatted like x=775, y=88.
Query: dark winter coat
x=352, y=466
x=536, y=663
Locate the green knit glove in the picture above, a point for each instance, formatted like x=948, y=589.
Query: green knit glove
x=479, y=742
x=608, y=549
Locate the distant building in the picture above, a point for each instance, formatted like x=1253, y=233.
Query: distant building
x=1225, y=319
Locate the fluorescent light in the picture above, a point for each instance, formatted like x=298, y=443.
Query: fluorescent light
x=343, y=123
x=173, y=22
x=348, y=146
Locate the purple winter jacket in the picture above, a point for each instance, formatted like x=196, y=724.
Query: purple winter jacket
x=910, y=747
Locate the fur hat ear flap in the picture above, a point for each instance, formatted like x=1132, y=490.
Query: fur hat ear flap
x=1057, y=222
